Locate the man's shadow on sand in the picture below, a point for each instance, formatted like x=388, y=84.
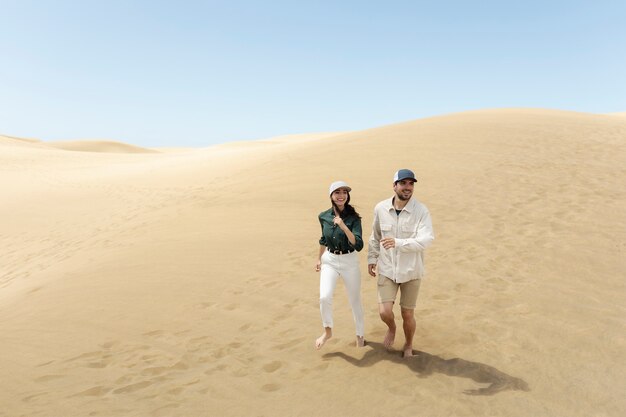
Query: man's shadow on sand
x=425, y=364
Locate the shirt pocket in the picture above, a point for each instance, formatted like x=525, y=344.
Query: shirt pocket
x=386, y=230
x=407, y=231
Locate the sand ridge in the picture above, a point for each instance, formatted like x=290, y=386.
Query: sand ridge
x=98, y=146
x=182, y=283
x=105, y=146
x=15, y=141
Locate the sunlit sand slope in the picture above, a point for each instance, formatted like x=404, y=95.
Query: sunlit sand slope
x=183, y=283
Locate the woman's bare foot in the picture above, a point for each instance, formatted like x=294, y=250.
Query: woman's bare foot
x=319, y=342
x=360, y=341
x=389, y=338
x=407, y=351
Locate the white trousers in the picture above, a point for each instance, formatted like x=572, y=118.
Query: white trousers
x=346, y=266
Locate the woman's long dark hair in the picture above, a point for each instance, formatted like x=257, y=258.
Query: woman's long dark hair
x=348, y=210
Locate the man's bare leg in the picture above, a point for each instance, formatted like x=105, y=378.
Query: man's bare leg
x=408, y=325
x=319, y=342
x=386, y=315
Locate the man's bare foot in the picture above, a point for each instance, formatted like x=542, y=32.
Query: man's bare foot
x=389, y=338
x=360, y=341
x=407, y=351
x=319, y=342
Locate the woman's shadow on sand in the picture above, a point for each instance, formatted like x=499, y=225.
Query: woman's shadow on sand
x=425, y=364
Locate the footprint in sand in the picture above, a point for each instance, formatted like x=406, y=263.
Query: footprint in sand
x=124, y=379
x=102, y=359
x=30, y=398
x=219, y=353
x=109, y=345
x=46, y=378
x=289, y=344
x=35, y=290
x=98, y=391
x=199, y=339
x=98, y=365
x=322, y=366
x=441, y=297
x=194, y=382
x=216, y=369
x=133, y=387
x=155, y=371
x=165, y=409
x=154, y=333
x=272, y=366
x=286, y=332
x=176, y=391
x=270, y=387
x=240, y=373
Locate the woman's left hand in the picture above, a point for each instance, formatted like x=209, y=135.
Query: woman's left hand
x=338, y=221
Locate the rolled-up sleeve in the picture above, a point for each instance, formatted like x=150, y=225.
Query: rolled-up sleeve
x=357, y=231
x=373, y=247
x=322, y=239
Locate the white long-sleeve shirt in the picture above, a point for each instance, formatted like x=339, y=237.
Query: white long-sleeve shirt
x=413, y=232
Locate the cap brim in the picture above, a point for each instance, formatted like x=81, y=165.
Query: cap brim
x=348, y=189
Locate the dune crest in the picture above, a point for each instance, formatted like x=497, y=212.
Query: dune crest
x=15, y=141
x=104, y=146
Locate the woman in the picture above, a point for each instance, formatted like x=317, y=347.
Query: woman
x=341, y=240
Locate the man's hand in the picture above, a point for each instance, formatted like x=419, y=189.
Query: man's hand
x=371, y=268
x=388, y=242
x=318, y=266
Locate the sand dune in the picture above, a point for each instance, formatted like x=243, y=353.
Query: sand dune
x=98, y=146
x=102, y=146
x=182, y=283
x=13, y=141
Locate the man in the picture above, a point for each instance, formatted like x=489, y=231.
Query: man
x=402, y=229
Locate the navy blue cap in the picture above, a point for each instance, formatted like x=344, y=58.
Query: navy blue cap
x=404, y=174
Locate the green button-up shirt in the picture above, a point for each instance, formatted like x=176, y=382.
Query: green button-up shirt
x=334, y=238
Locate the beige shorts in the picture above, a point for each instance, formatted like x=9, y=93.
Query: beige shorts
x=387, y=291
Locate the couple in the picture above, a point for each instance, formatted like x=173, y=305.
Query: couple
x=401, y=230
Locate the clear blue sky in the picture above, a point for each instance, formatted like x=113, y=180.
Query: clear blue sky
x=196, y=73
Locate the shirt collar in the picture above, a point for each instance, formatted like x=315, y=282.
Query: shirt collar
x=408, y=207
